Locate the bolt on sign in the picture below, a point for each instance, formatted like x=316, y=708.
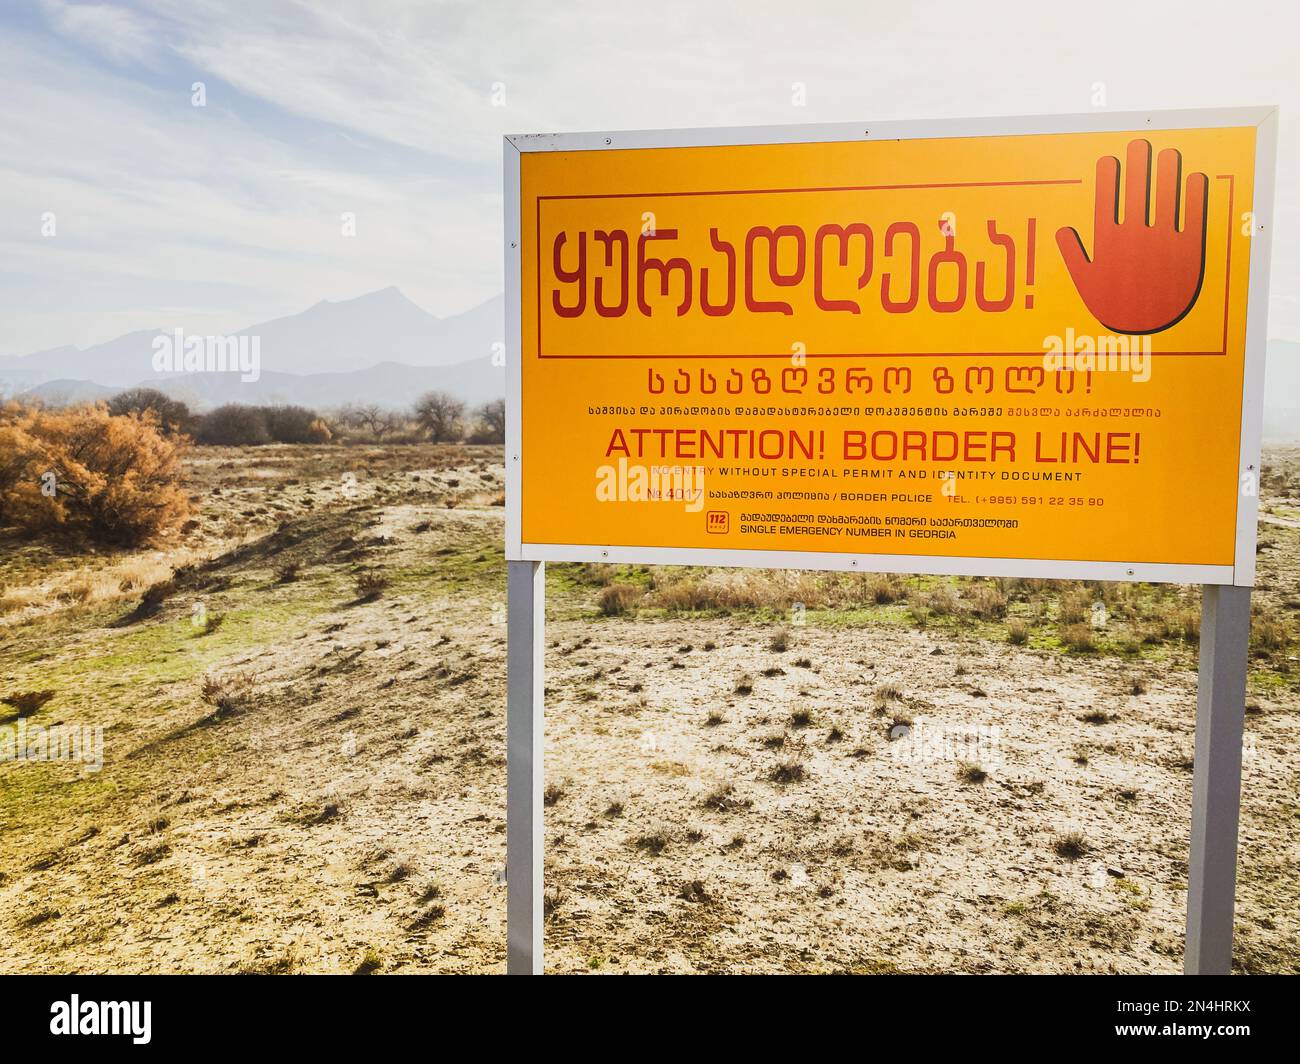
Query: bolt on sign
x=1001, y=347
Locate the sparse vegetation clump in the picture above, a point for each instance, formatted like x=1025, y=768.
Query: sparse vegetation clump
x=789, y=771
x=1078, y=638
x=725, y=591
x=885, y=697
x=295, y=424
x=370, y=586
x=227, y=695
x=27, y=703
x=883, y=589
x=85, y=473
x=234, y=425
x=615, y=600
x=1070, y=846
x=723, y=799
x=938, y=602
x=987, y=602
x=174, y=417
x=1268, y=633
x=652, y=842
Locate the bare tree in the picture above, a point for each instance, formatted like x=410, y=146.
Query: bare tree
x=371, y=418
x=494, y=416
x=491, y=426
x=441, y=416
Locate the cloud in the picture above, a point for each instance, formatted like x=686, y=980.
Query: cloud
x=159, y=205
x=121, y=35
x=388, y=108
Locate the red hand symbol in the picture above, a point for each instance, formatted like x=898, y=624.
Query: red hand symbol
x=1141, y=278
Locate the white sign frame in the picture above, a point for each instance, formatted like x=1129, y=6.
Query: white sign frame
x=1241, y=573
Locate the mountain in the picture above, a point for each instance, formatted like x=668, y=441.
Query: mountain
x=64, y=392
x=382, y=348
x=328, y=338
x=389, y=384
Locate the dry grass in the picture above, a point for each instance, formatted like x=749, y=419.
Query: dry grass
x=652, y=842
x=725, y=590
x=370, y=586
x=1074, y=608
x=1269, y=633
x=89, y=585
x=789, y=771
x=227, y=694
x=987, y=602
x=723, y=799
x=1078, y=638
x=937, y=602
x=1071, y=846
x=883, y=589
x=615, y=600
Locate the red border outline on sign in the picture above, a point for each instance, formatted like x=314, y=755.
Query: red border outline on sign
x=1227, y=279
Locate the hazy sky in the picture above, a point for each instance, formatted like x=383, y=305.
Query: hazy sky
x=211, y=218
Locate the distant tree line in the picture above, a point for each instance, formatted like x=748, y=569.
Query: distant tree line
x=435, y=416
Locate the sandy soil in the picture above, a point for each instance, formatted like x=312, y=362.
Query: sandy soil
x=883, y=797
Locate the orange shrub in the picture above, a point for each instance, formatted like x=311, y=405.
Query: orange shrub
x=84, y=472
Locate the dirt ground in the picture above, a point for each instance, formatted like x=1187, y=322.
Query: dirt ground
x=859, y=785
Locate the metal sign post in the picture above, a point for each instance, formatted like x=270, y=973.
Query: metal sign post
x=525, y=741
x=1216, y=779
